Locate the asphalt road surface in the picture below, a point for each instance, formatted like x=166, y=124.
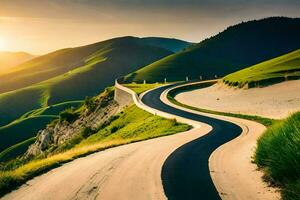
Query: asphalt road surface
x=185, y=174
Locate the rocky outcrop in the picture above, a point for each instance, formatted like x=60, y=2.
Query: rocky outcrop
x=92, y=115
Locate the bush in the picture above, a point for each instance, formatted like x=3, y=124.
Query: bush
x=69, y=115
x=87, y=131
x=90, y=103
x=278, y=152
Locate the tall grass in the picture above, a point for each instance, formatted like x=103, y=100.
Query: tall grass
x=278, y=153
x=140, y=88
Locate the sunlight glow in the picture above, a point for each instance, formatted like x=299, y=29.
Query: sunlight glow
x=2, y=44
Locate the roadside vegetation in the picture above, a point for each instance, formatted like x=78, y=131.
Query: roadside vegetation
x=278, y=153
x=286, y=67
x=131, y=125
x=140, y=88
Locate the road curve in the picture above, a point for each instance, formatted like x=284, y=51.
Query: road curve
x=173, y=167
x=185, y=174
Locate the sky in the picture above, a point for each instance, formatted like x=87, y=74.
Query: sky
x=42, y=26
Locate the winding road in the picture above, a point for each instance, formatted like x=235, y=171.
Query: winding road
x=185, y=173
x=172, y=167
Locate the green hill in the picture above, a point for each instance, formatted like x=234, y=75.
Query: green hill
x=237, y=47
x=10, y=59
x=30, y=123
x=26, y=110
x=282, y=68
x=72, y=74
x=62, y=61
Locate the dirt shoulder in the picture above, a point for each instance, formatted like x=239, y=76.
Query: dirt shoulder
x=275, y=101
x=231, y=169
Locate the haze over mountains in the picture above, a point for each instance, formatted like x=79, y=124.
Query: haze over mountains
x=10, y=59
x=237, y=47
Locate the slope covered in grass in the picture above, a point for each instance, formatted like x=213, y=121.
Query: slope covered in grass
x=96, y=69
x=235, y=48
x=286, y=67
x=64, y=60
x=22, y=129
x=132, y=125
x=140, y=88
x=278, y=153
x=28, y=125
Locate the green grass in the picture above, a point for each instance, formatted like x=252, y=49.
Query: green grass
x=171, y=96
x=140, y=88
x=28, y=126
x=131, y=125
x=286, y=67
x=22, y=130
x=224, y=54
x=278, y=153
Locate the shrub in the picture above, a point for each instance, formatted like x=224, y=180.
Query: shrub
x=87, y=131
x=90, y=103
x=69, y=115
x=278, y=151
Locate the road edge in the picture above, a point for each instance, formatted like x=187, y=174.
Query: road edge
x=231, y=168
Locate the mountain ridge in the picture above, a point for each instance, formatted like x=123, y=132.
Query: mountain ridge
x=235, y=48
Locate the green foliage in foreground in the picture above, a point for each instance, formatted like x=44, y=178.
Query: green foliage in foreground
x=278, y=152
x=131, y=125
x=286, y=67
x=171, y=96
x=140, y=88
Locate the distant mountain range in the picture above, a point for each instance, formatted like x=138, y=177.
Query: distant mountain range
x=237, y=47
x=11, y=59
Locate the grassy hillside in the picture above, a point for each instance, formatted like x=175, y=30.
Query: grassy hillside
x=11, y=59
x=132, y=125
x=235, y=48
x=97, y=71
x=23, y=112
x=282, y=68
x=30, y=123
x=65, y=60
x=278, y=153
